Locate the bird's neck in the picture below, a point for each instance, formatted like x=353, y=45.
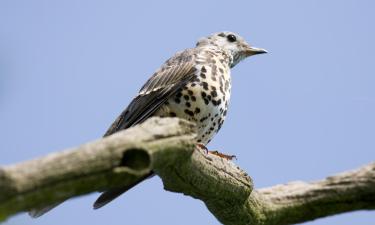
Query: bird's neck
x=226, y=56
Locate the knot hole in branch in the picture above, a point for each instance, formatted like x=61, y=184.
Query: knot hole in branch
x=136, y=159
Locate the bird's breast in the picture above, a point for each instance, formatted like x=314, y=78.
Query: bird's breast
x=204, y=100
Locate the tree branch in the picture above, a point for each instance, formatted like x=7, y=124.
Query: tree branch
x=119, y=159
x=227, y=192
x=166, y=146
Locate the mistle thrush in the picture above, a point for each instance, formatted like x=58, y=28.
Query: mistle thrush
x=195, y=84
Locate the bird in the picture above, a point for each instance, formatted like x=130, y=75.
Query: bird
x=194, y=84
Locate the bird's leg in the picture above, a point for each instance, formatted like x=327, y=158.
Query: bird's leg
x=221, y=155
x=202, y=147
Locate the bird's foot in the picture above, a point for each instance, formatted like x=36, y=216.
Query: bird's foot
x=221, y=155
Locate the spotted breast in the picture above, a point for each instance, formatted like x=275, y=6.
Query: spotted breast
x=204, y=100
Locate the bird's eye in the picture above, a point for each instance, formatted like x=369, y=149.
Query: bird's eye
x=231, y=38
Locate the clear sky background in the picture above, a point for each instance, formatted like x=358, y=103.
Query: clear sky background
x=304, y=111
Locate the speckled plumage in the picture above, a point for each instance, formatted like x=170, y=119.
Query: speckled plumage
x=204, y=99
x=194, y=84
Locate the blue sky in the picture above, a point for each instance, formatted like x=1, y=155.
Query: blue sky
x=302, y=112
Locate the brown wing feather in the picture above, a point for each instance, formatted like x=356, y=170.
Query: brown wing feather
x=164, y=83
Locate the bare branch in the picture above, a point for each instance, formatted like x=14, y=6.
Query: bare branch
x=227, y=192
x=166, y=146
x=297, y=202
x=119, y=159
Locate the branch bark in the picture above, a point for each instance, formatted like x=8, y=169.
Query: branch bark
x=166, y=146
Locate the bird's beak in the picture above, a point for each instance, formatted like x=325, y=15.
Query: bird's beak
x=249, y=51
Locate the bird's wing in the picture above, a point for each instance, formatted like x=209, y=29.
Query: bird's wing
x=167, y=81
x=164, y=83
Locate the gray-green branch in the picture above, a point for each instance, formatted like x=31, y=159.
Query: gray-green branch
x=166, y=146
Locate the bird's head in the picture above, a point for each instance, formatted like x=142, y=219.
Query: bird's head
x=233, y=44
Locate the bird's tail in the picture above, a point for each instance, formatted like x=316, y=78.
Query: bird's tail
x=109, y=195
x=35, y=213
x=104, y=198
